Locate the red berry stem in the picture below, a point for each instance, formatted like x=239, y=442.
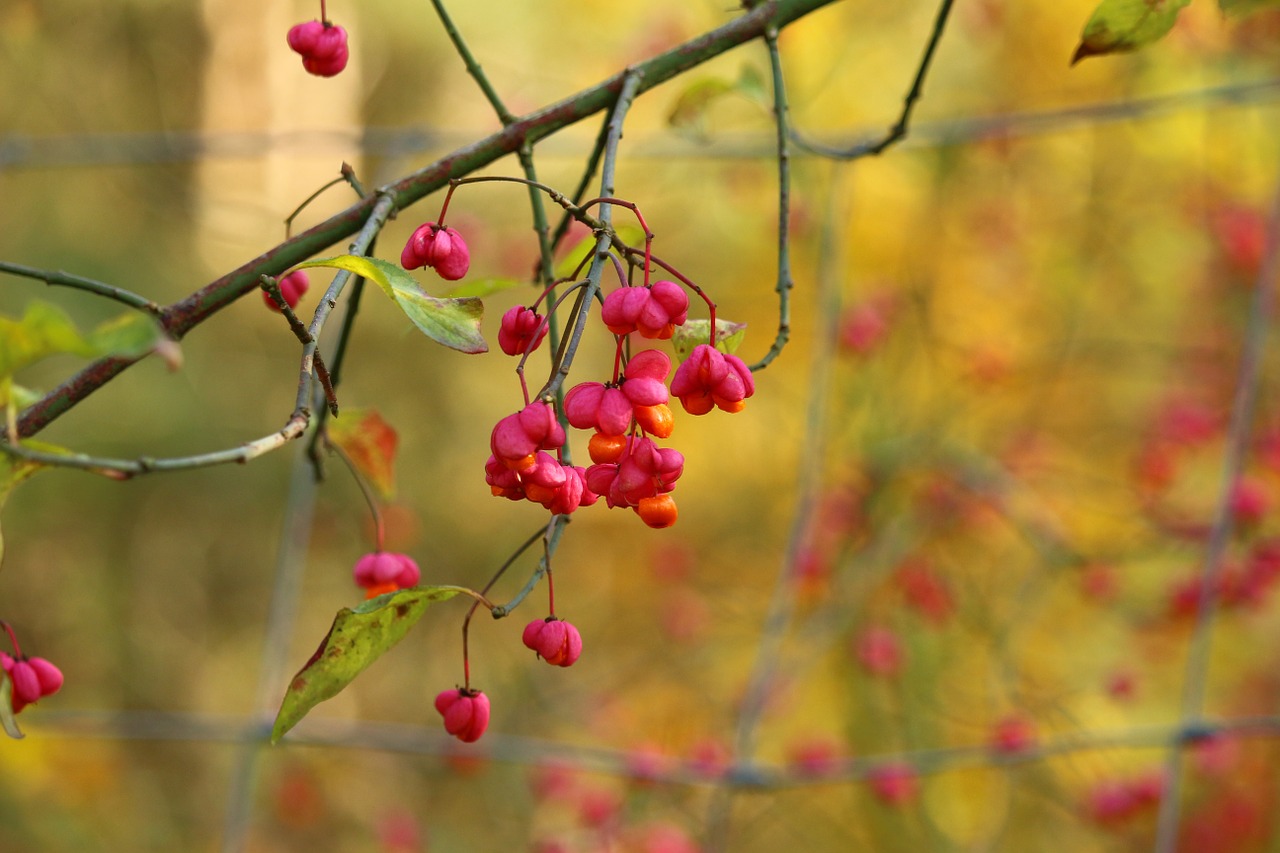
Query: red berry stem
x=444, y=208
x=324, y=17
x=380, y=530
x=551, y=586
x=13, y=640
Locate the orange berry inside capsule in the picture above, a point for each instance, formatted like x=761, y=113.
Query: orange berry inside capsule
x=604, y=449
x=656, y=420
x=658, y=511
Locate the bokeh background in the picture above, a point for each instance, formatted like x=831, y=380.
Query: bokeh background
x=974, y=492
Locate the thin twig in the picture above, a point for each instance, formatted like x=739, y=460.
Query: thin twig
x=785, y=282
x=79, y=282
x=473, y=67
x=898, y=132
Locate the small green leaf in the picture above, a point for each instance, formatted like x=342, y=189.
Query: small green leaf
x=627, y=233
x=1121, y=25
x=482, y=287
x=358, y=637
x=46, y=330
x=455, y=323
x=689, y=113
x=1240, y=8
x=729, y=336
x=8, y=719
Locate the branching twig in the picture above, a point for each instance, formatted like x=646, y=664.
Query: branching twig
x=899, y=130
x=785, y=282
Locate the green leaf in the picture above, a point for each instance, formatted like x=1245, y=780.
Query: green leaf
x=455, y=323
x=1245, y=7
x=8, y=719
x=358, y=637
x=1120, y=25
x=729, y=336
x=482, y=287
x=630, y=234
x=45, y=330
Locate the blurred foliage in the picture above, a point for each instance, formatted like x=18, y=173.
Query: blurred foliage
x=1036, y=335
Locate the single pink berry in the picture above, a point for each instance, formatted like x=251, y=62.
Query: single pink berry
x=516, y=438
x=322, y=46
x=292, y=287
x=555, y=641
x=1249, y=500
x=441, y=248
x=31, y=679
x=386, y=571
x=521, y=331
x=465, y=712
x=709, y=378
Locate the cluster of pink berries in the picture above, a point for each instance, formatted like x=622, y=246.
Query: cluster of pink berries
x=624, y=415
x=30, y=679
x=292, y=287
x=322, y=46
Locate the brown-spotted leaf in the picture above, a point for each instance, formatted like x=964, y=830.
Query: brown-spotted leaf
x=370, y=443
x=358, y=637
x=1122, y=25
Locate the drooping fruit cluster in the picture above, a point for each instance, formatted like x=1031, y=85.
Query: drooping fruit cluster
x=385, y=571
x=292, y=287
x=465, y=712
x=438, y=247
x=322, y=46
x=624, y=415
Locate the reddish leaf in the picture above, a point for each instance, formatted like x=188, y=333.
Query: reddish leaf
x=370, y=442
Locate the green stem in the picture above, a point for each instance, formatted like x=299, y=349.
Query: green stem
x=473, y=67
x=785, y=281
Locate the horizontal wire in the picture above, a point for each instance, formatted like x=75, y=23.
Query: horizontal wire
x=18, y=151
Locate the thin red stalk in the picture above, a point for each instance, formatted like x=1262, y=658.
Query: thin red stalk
x=13, y=640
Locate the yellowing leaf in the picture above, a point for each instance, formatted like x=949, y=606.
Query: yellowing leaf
x=358, y=637
x=455, y=323
x=370, y=443
x=729, y=336
x=1121, y=25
